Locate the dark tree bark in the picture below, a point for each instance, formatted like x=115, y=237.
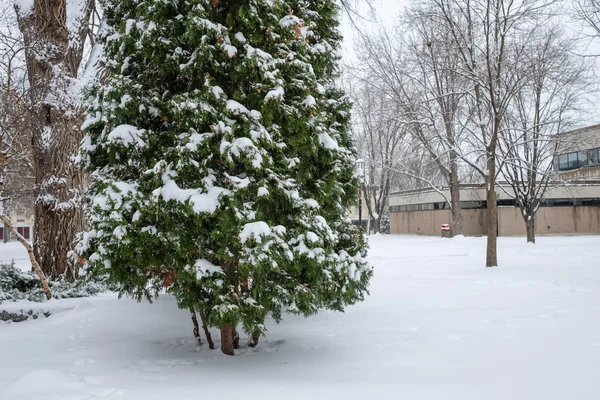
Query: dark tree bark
x=211, y=344
x=492, y=215
x=227, y=340
x=457, y=216
x=54, y=54
x=530, y=226
x=195, y=324
x=236, y=338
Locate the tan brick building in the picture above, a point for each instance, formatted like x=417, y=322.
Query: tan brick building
x=569, y=208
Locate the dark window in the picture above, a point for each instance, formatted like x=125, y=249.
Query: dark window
x=23, y=231
x=563, y=162
x=573, y=161
x=402, y=209
x=441, y=206
x=427, y=207
x=590, y=202
x=576, y=160
x=592, y=157
x=507, y=203
x=583, y=159
x=468, y=205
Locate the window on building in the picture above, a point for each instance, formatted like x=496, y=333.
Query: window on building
x=441, y=206
x=507, y=203
x=467, y=205
x=427, y=207
x=576, y=160
x=563, y=162
x=402, y=209
x=590, y=202
x=573, y=161
x=23, y=231
x=582, y=158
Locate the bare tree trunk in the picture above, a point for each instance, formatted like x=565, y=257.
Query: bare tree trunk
x=530, y=226
x=211, y=344
x=195, y=324
x=457, y=216
x=54, y=53
x=34, y=264
x=227, y=340
x=6, y=235
x=377, y=224
x=492, y=217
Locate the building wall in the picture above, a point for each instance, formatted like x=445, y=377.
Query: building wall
x=19, y=222
x=580, y=220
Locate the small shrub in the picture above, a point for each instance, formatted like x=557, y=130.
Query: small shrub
x=21, y=285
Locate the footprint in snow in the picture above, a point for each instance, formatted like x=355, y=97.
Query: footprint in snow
x=545, y=316
x=84, y=361
x=76, y=348
x=108, y=393
x=75, y=337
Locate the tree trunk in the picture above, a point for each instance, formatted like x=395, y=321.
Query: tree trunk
x=236, y=338
x=35, y=266
x=530, y=226
x=6, y=234
x=53, y=57
x=195, y=324
x=211, y=344
x=227, y=340
x=377, y=224
x=457, y=216
x=492, y=220
x=255, y=338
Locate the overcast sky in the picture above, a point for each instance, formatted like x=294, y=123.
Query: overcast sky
x=386, y=11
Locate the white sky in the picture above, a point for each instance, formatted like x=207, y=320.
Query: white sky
x=386, y=11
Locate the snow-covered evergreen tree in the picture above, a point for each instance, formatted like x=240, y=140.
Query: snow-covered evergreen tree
x=384, y=226
x=221, y=160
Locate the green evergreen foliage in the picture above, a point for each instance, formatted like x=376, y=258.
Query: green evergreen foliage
x=20, y=285
x=221, y=160
x=384, y=225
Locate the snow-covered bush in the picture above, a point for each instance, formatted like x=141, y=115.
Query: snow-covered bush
x=20, y=285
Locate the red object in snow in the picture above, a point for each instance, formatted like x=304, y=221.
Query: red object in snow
x=445, y=227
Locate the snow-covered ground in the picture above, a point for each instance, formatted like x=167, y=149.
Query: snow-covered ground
x=438, y=325
x=15, y=251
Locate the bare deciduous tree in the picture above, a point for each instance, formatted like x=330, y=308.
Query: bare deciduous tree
x=415, y=70
x=490, y=37
x=379, y=137
x=557, y=82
